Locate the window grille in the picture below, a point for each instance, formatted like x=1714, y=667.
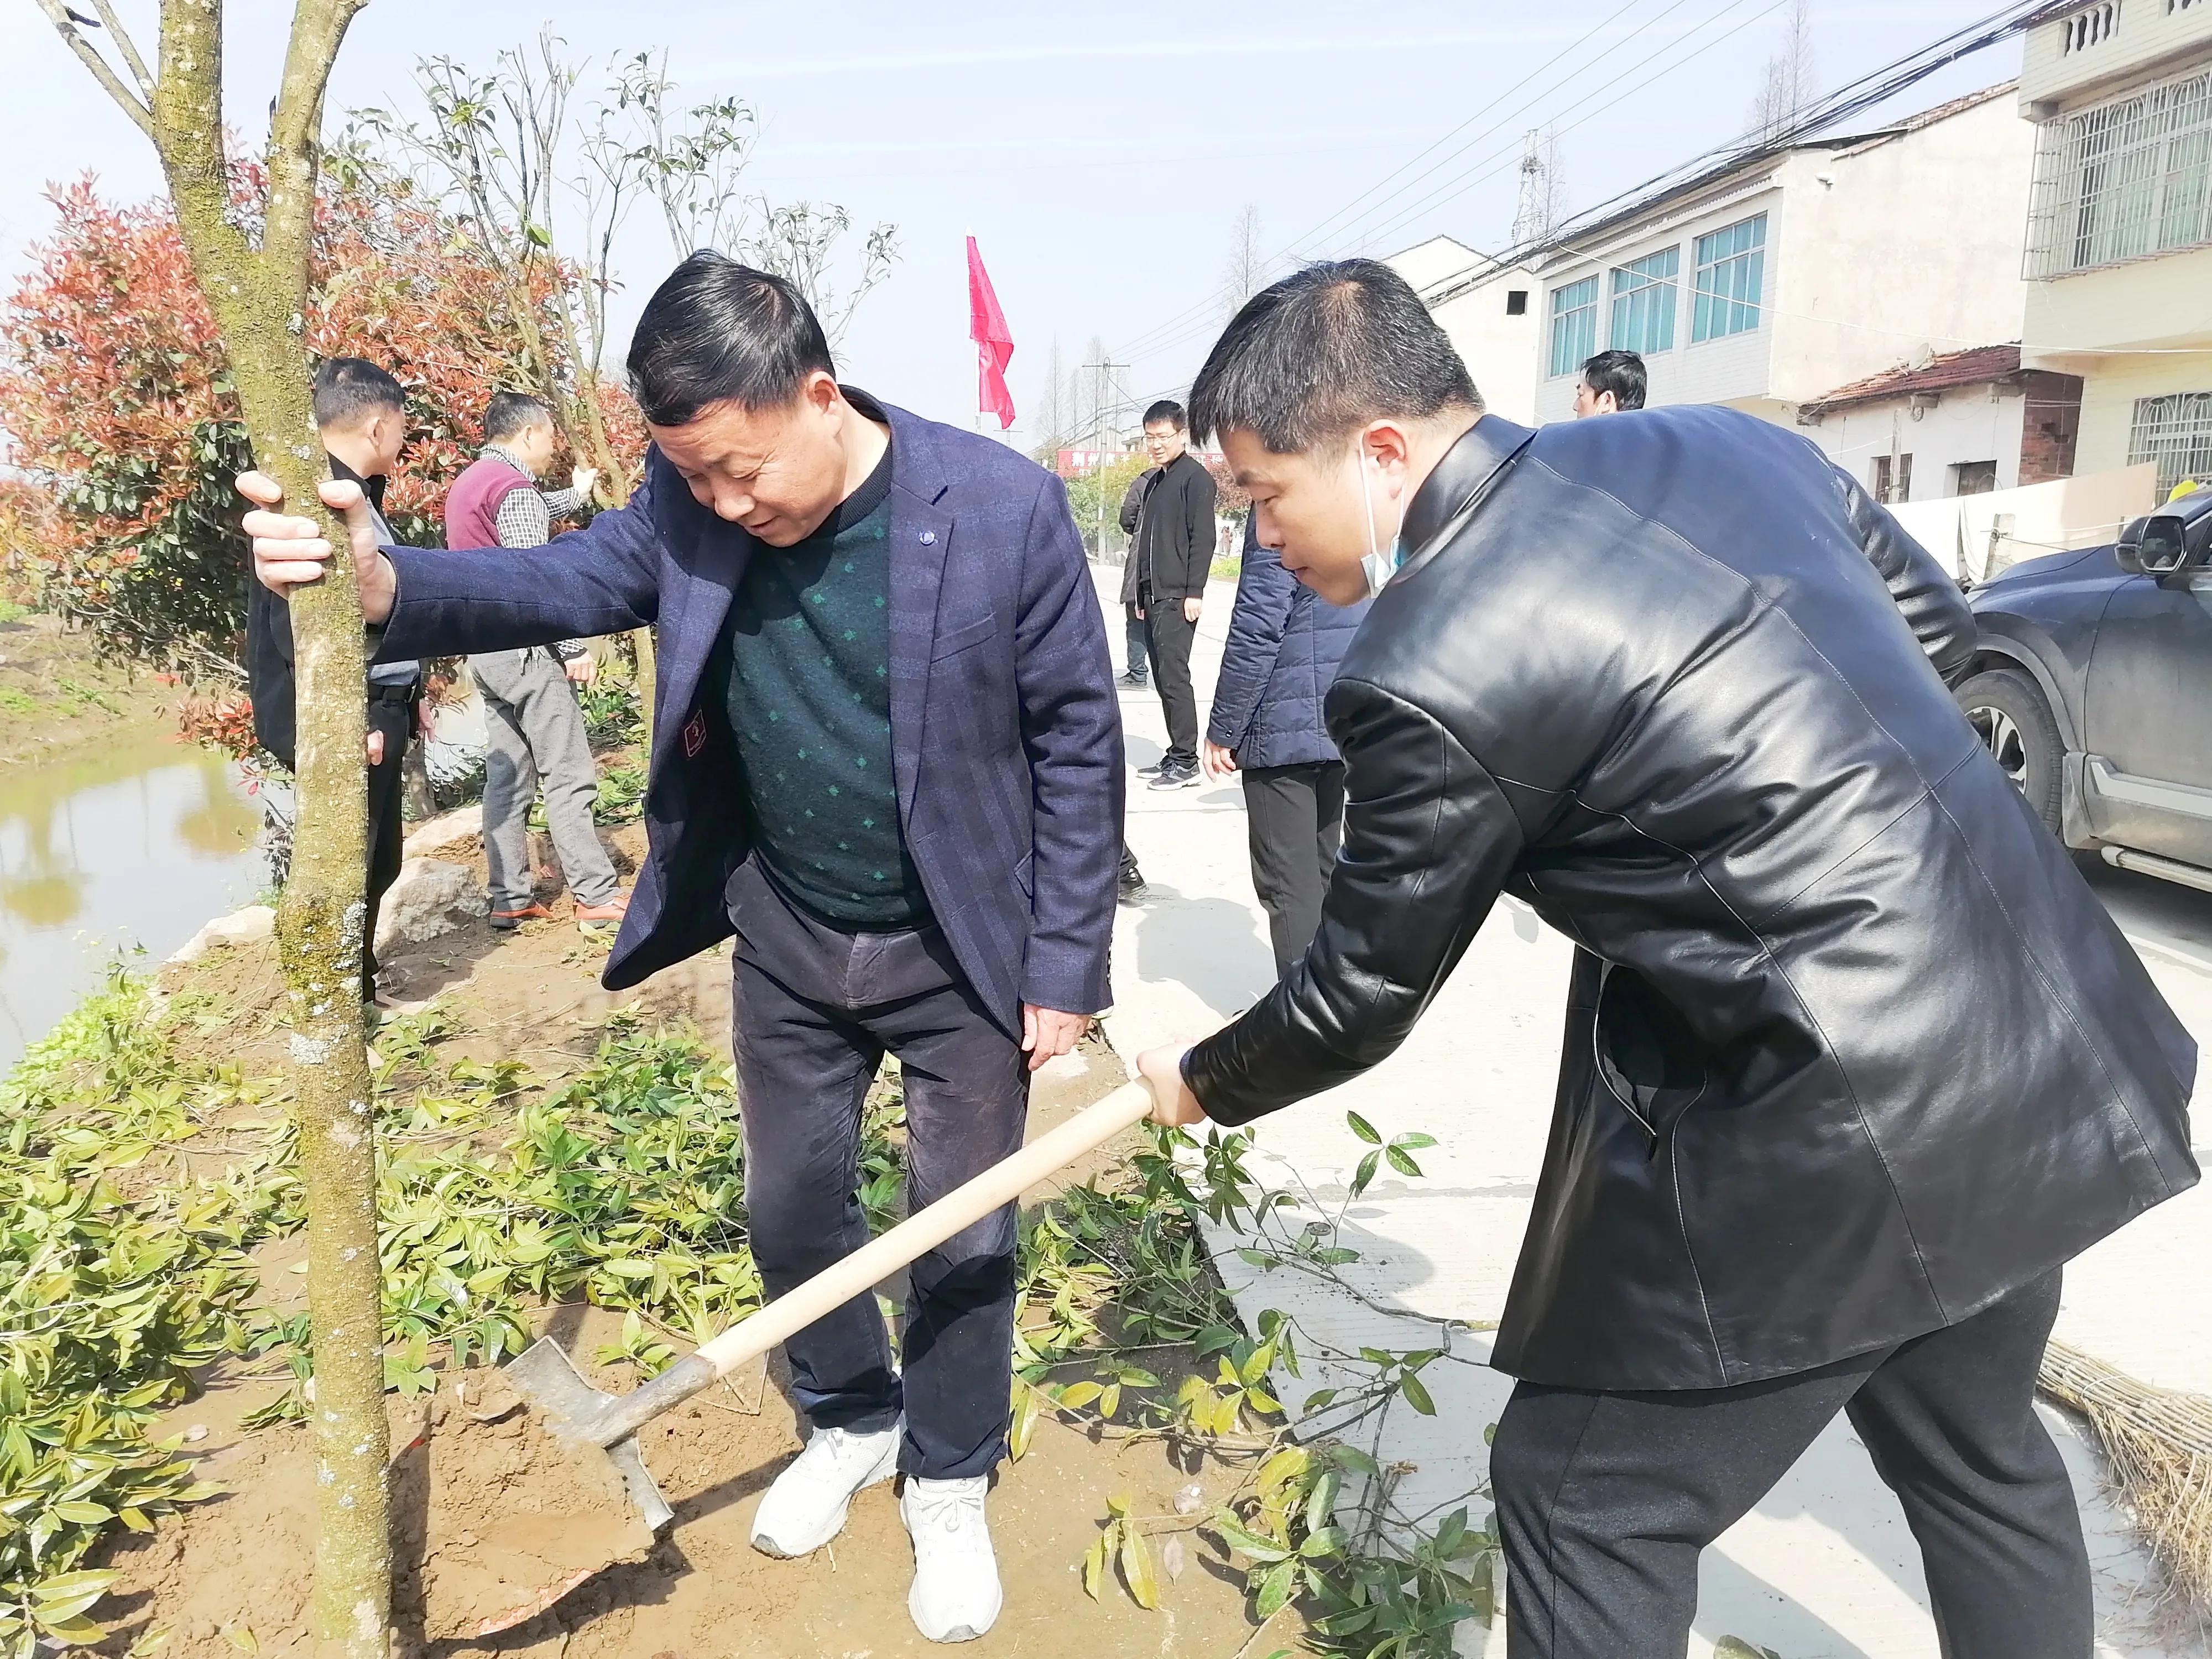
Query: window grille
x=2176, y=432
x=1892, y=479
x=1574, y=326
x=1731, y=272
x=1644, y=303
x=2124, y=180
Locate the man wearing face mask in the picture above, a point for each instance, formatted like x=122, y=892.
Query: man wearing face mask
x=887, y=755
x=1854, y=1061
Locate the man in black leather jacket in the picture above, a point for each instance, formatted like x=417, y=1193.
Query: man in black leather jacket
x=1854, y=1059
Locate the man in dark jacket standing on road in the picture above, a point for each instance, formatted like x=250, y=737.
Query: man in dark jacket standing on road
x=1136, y=644
x=1285, y=644
x=1853, y=1058
x=1174, y=556
x=887, y=756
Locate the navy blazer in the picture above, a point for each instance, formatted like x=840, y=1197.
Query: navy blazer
x=1285, y=643
x=1005, y=732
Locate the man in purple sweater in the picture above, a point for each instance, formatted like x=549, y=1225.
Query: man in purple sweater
x=534, y=729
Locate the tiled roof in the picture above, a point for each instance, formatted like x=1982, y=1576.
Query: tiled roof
x=1977, y=366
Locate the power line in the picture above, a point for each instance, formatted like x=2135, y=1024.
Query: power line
x=1463, y=182
x=1499, y=122
x=1142, y=340
x=1498, y=159
x=1853, y=98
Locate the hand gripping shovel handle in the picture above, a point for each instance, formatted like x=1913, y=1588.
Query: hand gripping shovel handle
x=876, y=1260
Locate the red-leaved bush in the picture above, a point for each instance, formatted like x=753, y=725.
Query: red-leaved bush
x=116, y=401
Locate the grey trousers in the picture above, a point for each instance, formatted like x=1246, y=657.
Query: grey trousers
x=535, y=738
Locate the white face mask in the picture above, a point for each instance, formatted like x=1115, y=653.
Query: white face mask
x=1381, y=563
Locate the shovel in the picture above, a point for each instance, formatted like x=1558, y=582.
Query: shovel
x=602, y=1424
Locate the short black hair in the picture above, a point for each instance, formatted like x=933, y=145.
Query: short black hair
x=1323, y=352
x=1620, y=373
x=718, y=331
x=510, y=414
x=1166, y=409
x=350, y=389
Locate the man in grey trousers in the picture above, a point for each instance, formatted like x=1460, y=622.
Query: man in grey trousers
x=535, y=730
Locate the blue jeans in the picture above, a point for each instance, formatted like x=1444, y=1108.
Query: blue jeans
x=815, y=1011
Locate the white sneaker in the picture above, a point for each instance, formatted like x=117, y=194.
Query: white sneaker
x=955, y=1596
x=805, y=1508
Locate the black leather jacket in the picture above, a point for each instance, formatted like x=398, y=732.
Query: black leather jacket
x=1852, y=1049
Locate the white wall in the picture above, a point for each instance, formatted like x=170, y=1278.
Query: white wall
x=1734, y=370
x=2150, y=38
x=1916, y=248
x=1500, y=350
x=1874, y=256
x=1967, y=425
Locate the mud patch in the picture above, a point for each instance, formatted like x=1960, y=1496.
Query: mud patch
x=497, y=1519
x=229, y=1579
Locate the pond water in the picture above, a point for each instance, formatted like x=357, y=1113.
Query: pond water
x=130, y=843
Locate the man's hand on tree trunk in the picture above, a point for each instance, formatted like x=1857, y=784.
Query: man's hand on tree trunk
x=288, y=552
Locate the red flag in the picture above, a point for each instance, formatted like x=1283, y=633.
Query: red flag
x=995, y=344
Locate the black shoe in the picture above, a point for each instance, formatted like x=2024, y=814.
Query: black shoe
x=1139, y=681
x=1181, y=775
x=1131, y=887
x=1149, y=770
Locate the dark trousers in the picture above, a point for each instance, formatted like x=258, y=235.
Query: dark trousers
x=396, y=719
x=1171, y=638
x=1294, y=820
x=1135, y=648
x=1604, y=1500
x=815, y=1011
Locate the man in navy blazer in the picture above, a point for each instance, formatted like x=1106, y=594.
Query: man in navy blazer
x=887, y=756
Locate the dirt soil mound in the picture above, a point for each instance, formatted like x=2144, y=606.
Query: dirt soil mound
x=483, y=1510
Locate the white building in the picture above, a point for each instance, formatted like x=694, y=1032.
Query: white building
x=1777, y=276
x=2119, y=244
x=1489, y=311
x=1962, y=423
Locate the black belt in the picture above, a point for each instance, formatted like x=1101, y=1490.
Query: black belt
x=380, y=692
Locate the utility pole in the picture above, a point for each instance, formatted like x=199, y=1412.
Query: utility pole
x=1101, y=417
x=1531, y=218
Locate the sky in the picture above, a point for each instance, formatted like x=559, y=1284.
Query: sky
x=1101, y=159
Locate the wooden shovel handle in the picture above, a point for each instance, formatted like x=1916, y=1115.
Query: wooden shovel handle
x=876, y=1260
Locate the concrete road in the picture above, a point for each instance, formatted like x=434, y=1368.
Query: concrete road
x=1824, y=1568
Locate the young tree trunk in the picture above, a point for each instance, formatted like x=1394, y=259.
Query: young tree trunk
x=259, y=296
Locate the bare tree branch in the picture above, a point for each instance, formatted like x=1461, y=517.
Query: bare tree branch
x=295, y=133
x=124, y=45
x=88, y=55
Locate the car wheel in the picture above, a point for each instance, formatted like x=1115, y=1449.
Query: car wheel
x=2008, y=713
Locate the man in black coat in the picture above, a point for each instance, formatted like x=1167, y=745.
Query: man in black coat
x=1136, y=644
x=1854, y=1059
x=1174, y=554
x=361, y=413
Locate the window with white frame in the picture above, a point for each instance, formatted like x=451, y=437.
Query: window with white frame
x=1574, y=326
x=2176, y=432
x=2124, y=180
x=1731, y=276
x=1643, y=302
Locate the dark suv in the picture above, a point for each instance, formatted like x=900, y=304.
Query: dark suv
x=2091, y=684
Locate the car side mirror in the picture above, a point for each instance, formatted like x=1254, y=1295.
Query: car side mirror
x=2170, y=543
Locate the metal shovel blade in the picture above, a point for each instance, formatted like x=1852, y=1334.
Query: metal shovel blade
x=544, y=1376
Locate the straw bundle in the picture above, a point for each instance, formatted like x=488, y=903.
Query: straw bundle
x=2160, y=1442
